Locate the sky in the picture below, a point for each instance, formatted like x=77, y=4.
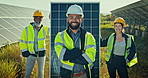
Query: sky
x=105, y=5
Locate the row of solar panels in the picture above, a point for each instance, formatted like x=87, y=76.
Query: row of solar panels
x=17, y=11
x=135, y=13
x=13, y=19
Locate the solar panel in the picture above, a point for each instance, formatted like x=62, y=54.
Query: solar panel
x=137, y=11
x=3, y=40
x=58, y=23
x=8, y=34
x=20, y=22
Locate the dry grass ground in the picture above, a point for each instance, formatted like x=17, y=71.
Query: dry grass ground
x=12, y=64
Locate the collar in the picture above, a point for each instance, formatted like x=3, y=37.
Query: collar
x=70, y=31
x=123, y=35
x=32, y=23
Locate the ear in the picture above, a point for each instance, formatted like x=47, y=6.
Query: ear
x=67, y=19
x=49, y=16
x=81, y=20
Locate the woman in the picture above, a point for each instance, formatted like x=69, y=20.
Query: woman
x=121, y=50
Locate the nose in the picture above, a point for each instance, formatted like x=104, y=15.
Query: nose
x=74, y=20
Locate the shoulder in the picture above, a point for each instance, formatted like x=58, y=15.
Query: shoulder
x=88, y=34
x=128, y=36
x=45, y=26
x=26, y=28
x=85, y=31
x=30, y=25
x=64, y=31
x=111, y=35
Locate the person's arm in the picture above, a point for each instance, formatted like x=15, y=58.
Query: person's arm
x=103, y=42
x=79, y=60
x=23, y=44
x=89, y=54
x=62, y=52
x=132, y=51
x=71, y=54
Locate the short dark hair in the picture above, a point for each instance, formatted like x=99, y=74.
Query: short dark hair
x=119, y=23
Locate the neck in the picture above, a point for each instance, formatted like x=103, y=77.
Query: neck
x=74, y=31
x=119, y=34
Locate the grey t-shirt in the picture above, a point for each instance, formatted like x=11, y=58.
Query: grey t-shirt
x=119, y=48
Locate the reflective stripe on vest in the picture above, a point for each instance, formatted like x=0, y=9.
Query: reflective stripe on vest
x=23, y=50
x=67, y=66
x=133, y=61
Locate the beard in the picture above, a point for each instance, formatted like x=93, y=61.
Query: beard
x=37, y=24
x=74, y=27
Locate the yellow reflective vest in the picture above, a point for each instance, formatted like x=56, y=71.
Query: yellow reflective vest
x=129, y=43
x=63, y=41
x=27, y=39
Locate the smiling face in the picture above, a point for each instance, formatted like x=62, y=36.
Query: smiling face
x=118, y=27
x=74, y=21
x=38, y=19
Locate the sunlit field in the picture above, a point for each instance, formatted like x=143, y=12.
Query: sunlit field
x=12, y=64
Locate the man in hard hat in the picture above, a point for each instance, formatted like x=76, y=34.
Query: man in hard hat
x=75, y=47
x=32, y=44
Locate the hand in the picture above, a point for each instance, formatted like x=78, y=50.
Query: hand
x=83, y=51
x=127, y=61
x=25, y=54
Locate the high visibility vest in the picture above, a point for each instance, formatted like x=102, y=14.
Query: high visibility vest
x=63, y=40
x=129, y=43
x=27, y=39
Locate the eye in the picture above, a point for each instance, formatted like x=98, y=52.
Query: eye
x=78, y=17
x=74, y=17
x=115, y=26
x=70, y=17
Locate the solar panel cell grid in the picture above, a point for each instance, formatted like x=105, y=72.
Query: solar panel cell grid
x=8, y=35
x=3, y=40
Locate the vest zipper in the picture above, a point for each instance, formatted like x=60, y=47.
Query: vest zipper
x=37, y=46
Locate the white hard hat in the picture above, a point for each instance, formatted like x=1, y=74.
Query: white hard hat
x=75, y=9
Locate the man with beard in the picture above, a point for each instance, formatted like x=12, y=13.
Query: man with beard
x=75, y=47
x=32, y=44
